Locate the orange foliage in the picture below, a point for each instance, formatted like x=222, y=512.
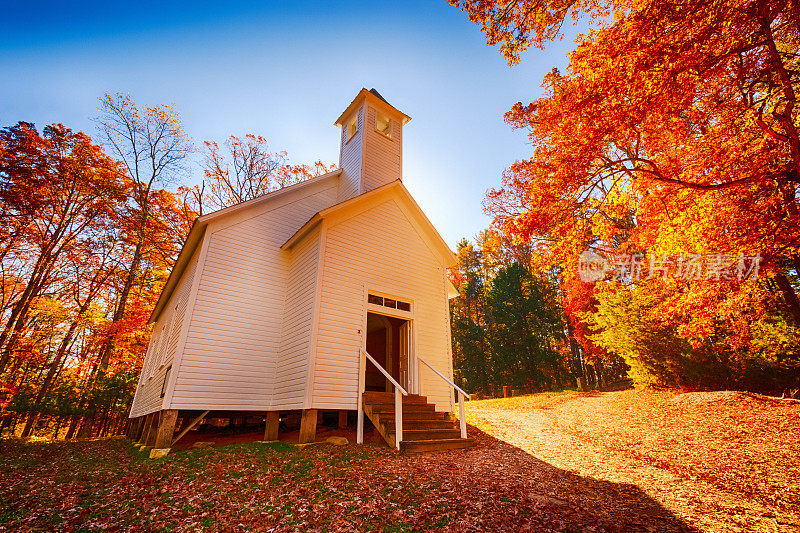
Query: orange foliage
x=675, y=130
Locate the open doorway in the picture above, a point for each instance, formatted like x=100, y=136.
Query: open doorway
x=388, y=343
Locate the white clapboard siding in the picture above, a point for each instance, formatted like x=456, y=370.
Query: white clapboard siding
x=377, y=249
x=382, y=154
x=231, y=355
x=293, y=358
x=250, y=326
x=163, y=345
x=350, y=159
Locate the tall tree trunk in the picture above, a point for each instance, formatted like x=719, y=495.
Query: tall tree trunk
x=14, y=420
x=73, y=426
x=119, y=313
x=108, y=347
x=15, y=326
x=44, y=389
x=16, y=319
x=30, y=423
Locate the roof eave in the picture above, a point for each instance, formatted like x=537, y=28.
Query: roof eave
x=304, y=230
x=364, y=94
x=226, y=211
x=193, y=239
x=448, y=257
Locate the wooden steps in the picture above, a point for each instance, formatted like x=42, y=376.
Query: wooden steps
x=424, y=429
x=420, y=446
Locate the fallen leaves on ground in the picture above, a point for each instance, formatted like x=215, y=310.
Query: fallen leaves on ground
x=720, y=461
x=625, y=461
x=106, y=484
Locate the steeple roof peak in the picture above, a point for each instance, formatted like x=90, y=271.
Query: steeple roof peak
x=374, y=96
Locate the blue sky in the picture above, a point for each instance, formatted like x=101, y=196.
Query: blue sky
x=286, y=70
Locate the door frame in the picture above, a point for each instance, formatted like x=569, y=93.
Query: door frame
x=413, y=366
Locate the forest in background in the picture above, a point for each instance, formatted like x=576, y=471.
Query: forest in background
x=652, y=233
x=89, y=232
x=659, y=207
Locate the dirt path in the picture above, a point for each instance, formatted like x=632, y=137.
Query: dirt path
x=683, y=454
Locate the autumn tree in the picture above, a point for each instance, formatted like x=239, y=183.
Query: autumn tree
x=56, y=188
x=152, y=146
x=705, y=112
x=674, y=131
x=87, y=242
x=61, y=194
x=243, y=169
x=84, y=283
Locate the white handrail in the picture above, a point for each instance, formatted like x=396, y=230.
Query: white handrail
x=399, y=392
x=462, y=420
x=459, y=389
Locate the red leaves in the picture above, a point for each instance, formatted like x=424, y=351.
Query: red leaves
x=673, y=131
x=72, y=221
x=7, y=390
x=98, y=485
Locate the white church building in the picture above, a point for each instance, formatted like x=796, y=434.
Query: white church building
x=327, y=295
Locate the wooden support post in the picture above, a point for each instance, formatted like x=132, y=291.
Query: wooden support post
x=308, y=426
x=166, y=428
x=151, y=434
x=342, y=418
x=148, y=428
x=140, y=429
x=143, y=429
x=273, y=420
x=137, y=429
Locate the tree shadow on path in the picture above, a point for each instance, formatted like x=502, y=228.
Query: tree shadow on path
x=581, y=502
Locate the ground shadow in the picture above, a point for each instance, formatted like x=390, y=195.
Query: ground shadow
x=507, y=471
x=612, y=506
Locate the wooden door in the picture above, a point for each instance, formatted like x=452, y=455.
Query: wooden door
x=405, y=354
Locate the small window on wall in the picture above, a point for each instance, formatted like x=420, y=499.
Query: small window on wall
x=389, y=302
x=352, y=127
x=384, y=124
x=166, y=379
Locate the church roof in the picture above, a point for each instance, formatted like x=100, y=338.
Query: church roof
x=429, y=230
x=375, y=97
x=198, y=229
x=376, y=93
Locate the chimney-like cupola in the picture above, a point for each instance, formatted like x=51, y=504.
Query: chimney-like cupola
x=371, y=153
